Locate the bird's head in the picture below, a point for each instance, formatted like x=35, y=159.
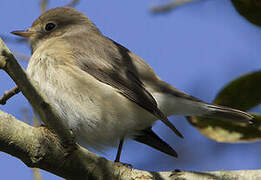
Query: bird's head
x=55, y=23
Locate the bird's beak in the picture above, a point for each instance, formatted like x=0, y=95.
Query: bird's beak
x=24, y=33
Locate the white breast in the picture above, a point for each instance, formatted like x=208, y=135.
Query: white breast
x=96, y=112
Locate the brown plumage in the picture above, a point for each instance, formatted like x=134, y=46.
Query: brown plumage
x=101, y=89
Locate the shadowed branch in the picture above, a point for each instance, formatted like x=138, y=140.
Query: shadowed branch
x=8, y=94
x=163, y=8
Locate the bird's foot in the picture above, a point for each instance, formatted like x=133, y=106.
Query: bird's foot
x=123, y=164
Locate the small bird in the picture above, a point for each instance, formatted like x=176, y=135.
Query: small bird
x=103, y=91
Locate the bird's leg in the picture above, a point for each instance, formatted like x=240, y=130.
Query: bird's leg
x=118, y=156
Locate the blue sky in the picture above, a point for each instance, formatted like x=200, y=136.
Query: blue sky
x=198, y=48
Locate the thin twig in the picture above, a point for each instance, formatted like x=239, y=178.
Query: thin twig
x=36, y=121
x=30, y=90
x=21, y=56
x=169, y=6
x=12, y=39
x=43, y=5
x=37, y=174
x=25, y=116
x=8, y=94
x=73, y=3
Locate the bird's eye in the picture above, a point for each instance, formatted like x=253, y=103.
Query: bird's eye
x=49, y=26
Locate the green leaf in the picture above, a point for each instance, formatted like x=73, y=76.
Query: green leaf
x=250, y=9
x=243, y=93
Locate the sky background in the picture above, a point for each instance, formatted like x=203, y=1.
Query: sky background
x=198, y=48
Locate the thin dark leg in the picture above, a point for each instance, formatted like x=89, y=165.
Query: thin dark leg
x=118, y=156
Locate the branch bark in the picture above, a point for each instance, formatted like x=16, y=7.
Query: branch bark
x=8, y=94
x=31, y=91
x=169, y=6
x=39, y=147
x=48, y=148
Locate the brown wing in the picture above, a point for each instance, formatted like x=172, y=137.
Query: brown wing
x=116, y=68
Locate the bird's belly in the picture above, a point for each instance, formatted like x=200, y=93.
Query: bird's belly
x=100, y=117
x=98, y=114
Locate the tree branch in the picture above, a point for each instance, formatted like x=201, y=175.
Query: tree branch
x=31, y=91
x=8, y=94
x=39, y=147
x=73, y=3
x=169, y=6
x=44, y=3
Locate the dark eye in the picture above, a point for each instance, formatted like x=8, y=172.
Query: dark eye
x=49, y=26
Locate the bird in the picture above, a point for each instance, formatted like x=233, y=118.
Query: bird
x=103, y=91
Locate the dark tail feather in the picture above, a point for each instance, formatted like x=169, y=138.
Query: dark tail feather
x=165, y=120
x=227, y=113
x=149, y=138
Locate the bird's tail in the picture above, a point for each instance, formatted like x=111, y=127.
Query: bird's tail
x=184, y=104
x=175, y=102
x=226, y=113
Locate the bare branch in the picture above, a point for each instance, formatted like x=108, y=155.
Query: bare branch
x=25, y=115
x=170, y=6
x=8, y=94
x=21, y=56
x=36, y=172
x=43, y=5
x=39, y=147
x=12, y=39
x=37, y=175
x=31, y=91
x=73, y=3
x=36, y=121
